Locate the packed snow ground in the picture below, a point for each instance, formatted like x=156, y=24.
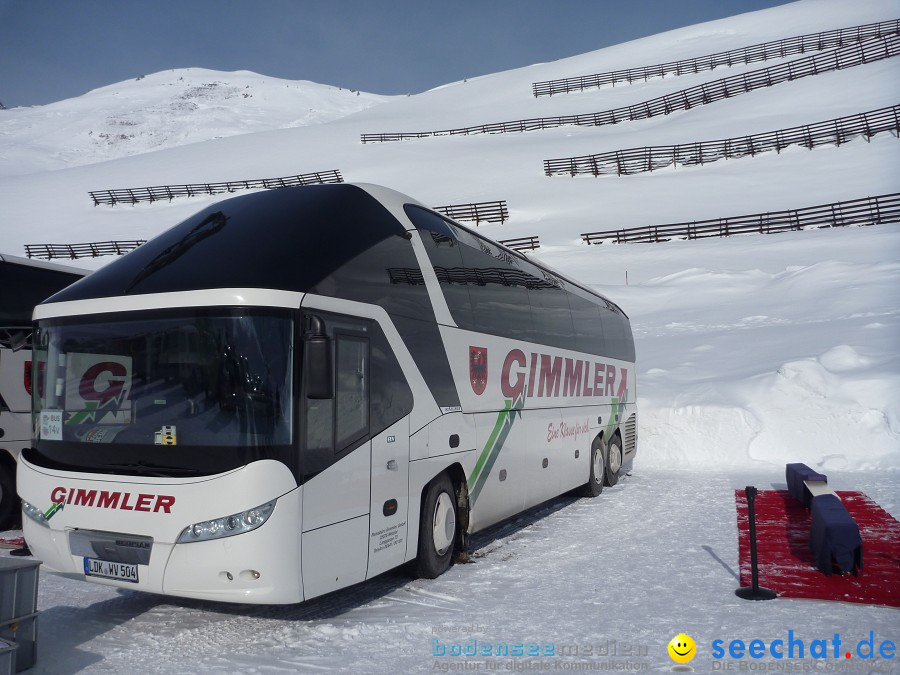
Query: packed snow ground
x=650, y=558
x=752, y=351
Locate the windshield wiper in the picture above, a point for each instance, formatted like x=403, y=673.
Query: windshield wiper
x=205, y=228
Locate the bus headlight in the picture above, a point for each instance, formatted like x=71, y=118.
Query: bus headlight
x=228, y=526
x=34, y=513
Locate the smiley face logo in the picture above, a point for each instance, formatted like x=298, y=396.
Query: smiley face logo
x=682, y=648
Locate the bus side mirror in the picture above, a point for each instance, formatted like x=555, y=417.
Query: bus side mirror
x=317, y=370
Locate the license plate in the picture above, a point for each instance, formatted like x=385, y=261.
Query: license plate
x=111, y=570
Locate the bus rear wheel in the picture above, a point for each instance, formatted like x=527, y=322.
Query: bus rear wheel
x=613, y=461
x=594, y=486
x=437, y=528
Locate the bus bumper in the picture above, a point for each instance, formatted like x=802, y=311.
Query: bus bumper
x=139, y=546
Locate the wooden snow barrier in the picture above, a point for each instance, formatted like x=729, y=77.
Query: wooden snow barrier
x=169, y=192
x=774, y=49
x=93, y=249
x=631, y=161
x=866, y=211
x=834, y=536
x=521, y=243
x=856, y=54
x=490, y=212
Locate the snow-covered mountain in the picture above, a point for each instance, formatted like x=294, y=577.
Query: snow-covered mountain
x=164, y=110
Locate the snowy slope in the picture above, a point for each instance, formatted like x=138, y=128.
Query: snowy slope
x=508, y=166
x=752, y=351
x=161, y=111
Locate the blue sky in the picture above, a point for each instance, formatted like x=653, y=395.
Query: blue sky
x=55, y=49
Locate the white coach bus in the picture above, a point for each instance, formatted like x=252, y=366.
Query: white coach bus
x=296, y=390
x=23, y=284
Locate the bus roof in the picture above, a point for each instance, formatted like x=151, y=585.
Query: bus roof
x=292, y=239
x=25, y=283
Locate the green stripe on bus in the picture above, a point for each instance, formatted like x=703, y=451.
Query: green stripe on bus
x=501, y=418
x=492, y=448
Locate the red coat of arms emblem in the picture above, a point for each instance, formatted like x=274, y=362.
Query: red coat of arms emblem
x=478, y=369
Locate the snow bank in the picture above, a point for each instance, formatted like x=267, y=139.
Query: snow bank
x=740, y=367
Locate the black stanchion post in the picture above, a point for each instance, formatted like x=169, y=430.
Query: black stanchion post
x=753, y=592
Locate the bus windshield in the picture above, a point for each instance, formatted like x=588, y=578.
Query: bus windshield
x=189, y=392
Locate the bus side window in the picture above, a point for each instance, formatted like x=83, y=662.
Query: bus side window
x=351, y=390
x=588, y=327
x=390, y=398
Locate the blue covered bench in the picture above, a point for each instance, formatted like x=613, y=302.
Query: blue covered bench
x=798, y=478
x=834, y=536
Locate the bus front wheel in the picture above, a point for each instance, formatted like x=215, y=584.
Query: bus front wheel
x=437, y=528
x=594, y=486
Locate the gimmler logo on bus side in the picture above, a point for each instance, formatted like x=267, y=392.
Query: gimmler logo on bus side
x=545, y=375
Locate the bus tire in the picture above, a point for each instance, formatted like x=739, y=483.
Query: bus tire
x=9, y=501
x=594, y=486
x=613, y=461
x=437, y=528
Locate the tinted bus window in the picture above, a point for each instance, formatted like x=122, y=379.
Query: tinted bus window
x=588, y=333
x=443, y=247
x=351, y=391
x=617, y=331
x=498, y=289
x=550, y=314
x=485, y=288
x=491, y=290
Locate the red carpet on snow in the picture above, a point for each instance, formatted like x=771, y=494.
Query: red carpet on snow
x=786, y=563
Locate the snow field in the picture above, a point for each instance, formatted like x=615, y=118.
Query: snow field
x=651, y=557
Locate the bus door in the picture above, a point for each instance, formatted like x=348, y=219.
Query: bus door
x=337, y=466
x=390, y=498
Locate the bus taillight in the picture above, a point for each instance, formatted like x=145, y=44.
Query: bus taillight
x=27, y=377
